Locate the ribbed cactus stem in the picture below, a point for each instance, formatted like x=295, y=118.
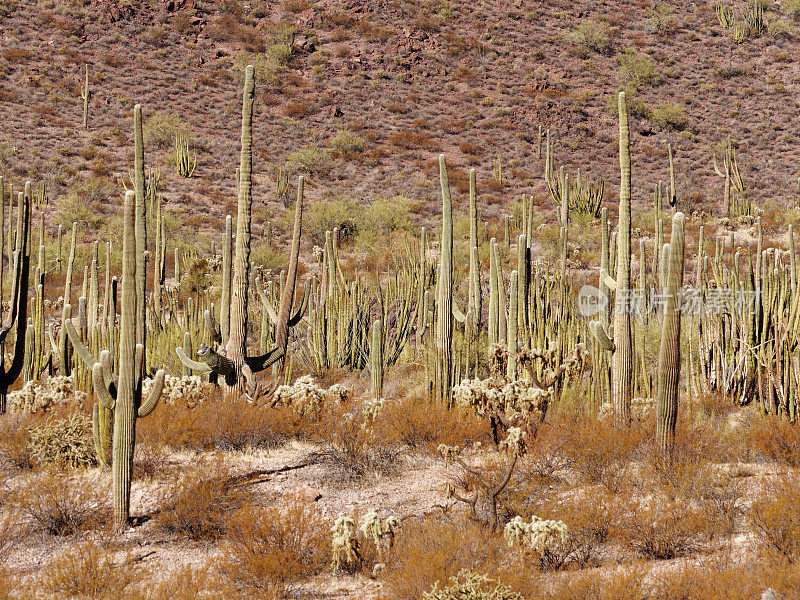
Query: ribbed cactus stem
x=376, y=360
x=511, y=368
x=673, y=192
x=792, y=260
x=236, y=348
x=669, y=356
x=623, y=338
x=494, y=295
x=187, y=349
x=125, y=407
x=225, y=298
x=444, y=340
x=141, y=225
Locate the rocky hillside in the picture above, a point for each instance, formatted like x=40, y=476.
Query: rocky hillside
x=362, y=96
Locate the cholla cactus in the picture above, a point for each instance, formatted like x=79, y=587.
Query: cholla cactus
x=306, y=397
x=190, y=390
x=372, y=409
x=472, y=586
x=539, y=536
x=515, y=442
x=345, y=543
x=449, y=453
x=38, y=396
x=373, y=528
x=63, y=443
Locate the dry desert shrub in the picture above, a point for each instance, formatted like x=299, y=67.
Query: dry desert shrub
x=436, y=547
x=775, y=516
x=707, y=582
x=15, y=453
x=218, y=424
x=60, y=504
x=200, y=502
x=353, y=445
x=424, y=425
x=89, y=571
x=267, y=550
x=625, y=583
x=185, y=583
x=774, y=439
x=663, y=528
x=600, y=451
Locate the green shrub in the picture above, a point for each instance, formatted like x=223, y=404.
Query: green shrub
x=265, y=257
x=637, y=107
x=671, y=115
x=310, y=160
x=346, y=143
x=791, y=8
x=384, y=216
x=161, y=128
x=324, y=215
x=638, y=68
x=591, y=36
x=73, y=208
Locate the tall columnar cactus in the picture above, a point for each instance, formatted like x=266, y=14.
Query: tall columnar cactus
x=235, y=371
x=376, y=360
x=128, y=404
x=141, y=225
x=444, y=327
x=673, y=192
x=17, y=317
x=622, y=344
x=85, y=94
x=475, y=300
x=669, y=356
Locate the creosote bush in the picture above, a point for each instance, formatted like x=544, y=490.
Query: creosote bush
x=200, y=502
x=267, y=550
x=62, y=505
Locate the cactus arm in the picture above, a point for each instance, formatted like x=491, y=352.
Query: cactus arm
x=213, y=328
x=458, y=315
x=192, y=364
x=155, y=393
x=607, y=280
x=216, y=362
x=101, y=388
x=601, y=336
x=716, y=167
x=259, y=363
x=294, y=320
x=75, y=339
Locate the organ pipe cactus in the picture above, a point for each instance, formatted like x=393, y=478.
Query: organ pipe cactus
x=235, y=371
x=669, y=356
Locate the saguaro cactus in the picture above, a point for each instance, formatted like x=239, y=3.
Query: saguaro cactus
x=669, y=355
x=444, y=328
x=85, y=94
x=622, y=344
x=235, y=370
x=123, y=394
x=19, y=297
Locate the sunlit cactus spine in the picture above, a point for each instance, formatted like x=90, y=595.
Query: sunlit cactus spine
x=185, y=163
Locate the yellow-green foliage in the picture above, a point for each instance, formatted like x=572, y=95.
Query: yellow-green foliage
x=74, y=208
x=310, y=160
x=591, y=36
x=638, y=68
x=346, y=143
x=671, y=115
x=471, y=586
x=161, y=129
